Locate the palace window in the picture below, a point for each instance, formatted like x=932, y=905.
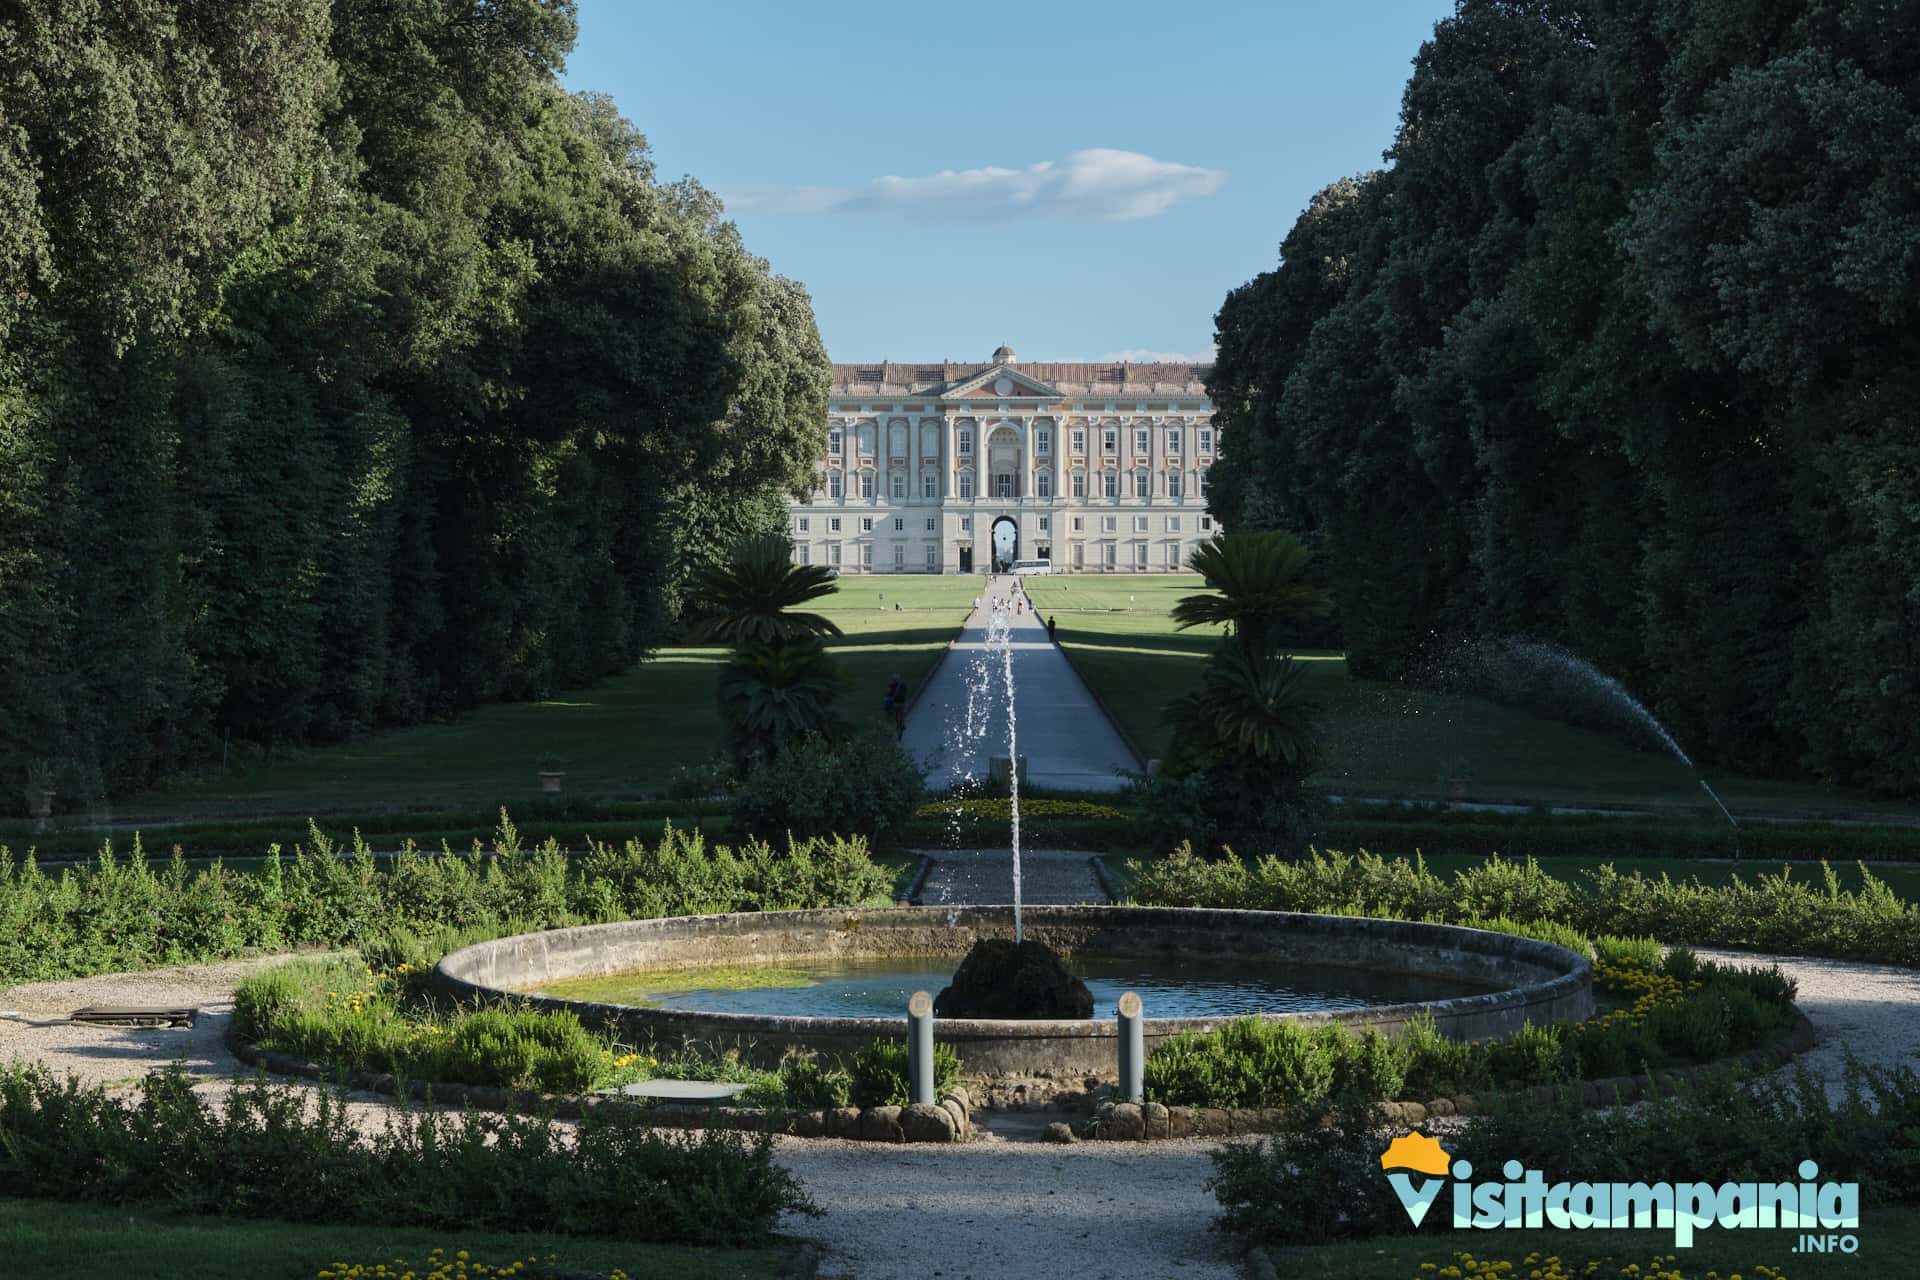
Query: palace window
x=833, y=524
x=1043, y=484
x=1206, y=523
x=803, y=524
x=1043, y=441
x=1112, y=551
x=927, y=485
x=801, y=551
x=1111, y=482
x=1079, y=555
x=1079, y=523
x=1079, y=441
x=1203, y=482
x=930, y=523
x=1173, y=524
x=835, y=443
x=1173, y=484
x=866, y=555
x=1003, y=484
x=866, y=524
x=834, y=489
x=966, y=524
x=1109, y=524
x=1079, y=484
x=1142, y=484
x=866, y=484
x=966, y=484
x=899, y=486
x=1173, y=439
x=899, y=556
x=966, y=442
x=866, y=440
x=1046, y=524
x=1110, y=440
x=899, y=523
x=1139, y=524
x=1140, y=441
x=933, y=556
x=1140, y=555
x=833, y=552
x=1206, y=440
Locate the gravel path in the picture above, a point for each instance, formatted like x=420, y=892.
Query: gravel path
x=1047, y=876
x=1870, y=1010
x=1089, y=1211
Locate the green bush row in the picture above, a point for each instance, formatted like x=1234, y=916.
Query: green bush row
x=381, y=1016
x=1521, y=835
x=121, y=913
x=1684, y=1011
x=271, y=1152
x=1772, y=912
x=1324, y=1182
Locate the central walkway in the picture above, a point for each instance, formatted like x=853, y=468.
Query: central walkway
x=1067, y=740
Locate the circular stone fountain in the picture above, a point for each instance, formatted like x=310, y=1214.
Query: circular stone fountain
x=1477, y=985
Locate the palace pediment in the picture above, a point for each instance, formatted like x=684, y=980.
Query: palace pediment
x=1001, y=382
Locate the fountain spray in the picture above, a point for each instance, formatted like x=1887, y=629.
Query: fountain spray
x=1730, y=818
x=1000, y=634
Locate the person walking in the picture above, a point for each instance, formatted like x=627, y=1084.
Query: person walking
x=1050, y=639
x=896, y=705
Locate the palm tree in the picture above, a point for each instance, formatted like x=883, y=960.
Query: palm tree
x=778, y=685
x=1252, y=709
x=773, y=694
x=749, y=596
x=1261, y=580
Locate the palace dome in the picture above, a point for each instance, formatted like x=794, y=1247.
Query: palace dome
x=1003, y=354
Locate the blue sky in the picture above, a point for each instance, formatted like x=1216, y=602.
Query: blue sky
x=1077, y=181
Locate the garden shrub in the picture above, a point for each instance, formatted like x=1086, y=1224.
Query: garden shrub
x=121, y=913
x=1324, y=1183
x=863, y=784
x=877, y=1073
x=1714, y=1012
x=1774, y=911
x=264, y=1151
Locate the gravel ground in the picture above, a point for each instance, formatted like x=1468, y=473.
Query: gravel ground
x=1003, y=1207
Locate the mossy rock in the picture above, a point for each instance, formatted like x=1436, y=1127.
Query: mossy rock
x=1003, y=979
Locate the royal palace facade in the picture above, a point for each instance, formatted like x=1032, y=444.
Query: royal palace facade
x=963, y=468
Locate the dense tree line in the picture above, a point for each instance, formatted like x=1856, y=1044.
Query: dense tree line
x=1621, y=352
x=352, y=371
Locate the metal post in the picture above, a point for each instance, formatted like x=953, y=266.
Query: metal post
x=920, y=1047
x=1133, y=1049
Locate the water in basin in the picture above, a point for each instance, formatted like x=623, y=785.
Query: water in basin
x=879, y=987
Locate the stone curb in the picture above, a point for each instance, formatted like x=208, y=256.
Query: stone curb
x=951, y=1120
x=1146, y=1122
x=1103, y=878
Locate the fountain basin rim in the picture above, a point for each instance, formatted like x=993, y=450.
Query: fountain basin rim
x=1547, y=981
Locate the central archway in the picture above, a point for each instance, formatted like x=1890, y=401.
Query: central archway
x=1006, y=543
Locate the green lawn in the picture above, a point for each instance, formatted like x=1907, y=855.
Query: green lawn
x=620, y=739
x=43, y=1238
x=1391, y=741
x=1885, y=1235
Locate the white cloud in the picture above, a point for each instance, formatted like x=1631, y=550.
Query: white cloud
x=1096, y=185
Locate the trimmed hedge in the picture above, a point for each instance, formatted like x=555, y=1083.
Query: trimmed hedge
x=120, y=913
x=292, y=1153
x=1776, y=911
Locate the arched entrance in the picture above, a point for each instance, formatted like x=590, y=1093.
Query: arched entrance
x=1006, y=543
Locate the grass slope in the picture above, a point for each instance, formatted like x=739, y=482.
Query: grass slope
x=1392, y=741
x=621, y=738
